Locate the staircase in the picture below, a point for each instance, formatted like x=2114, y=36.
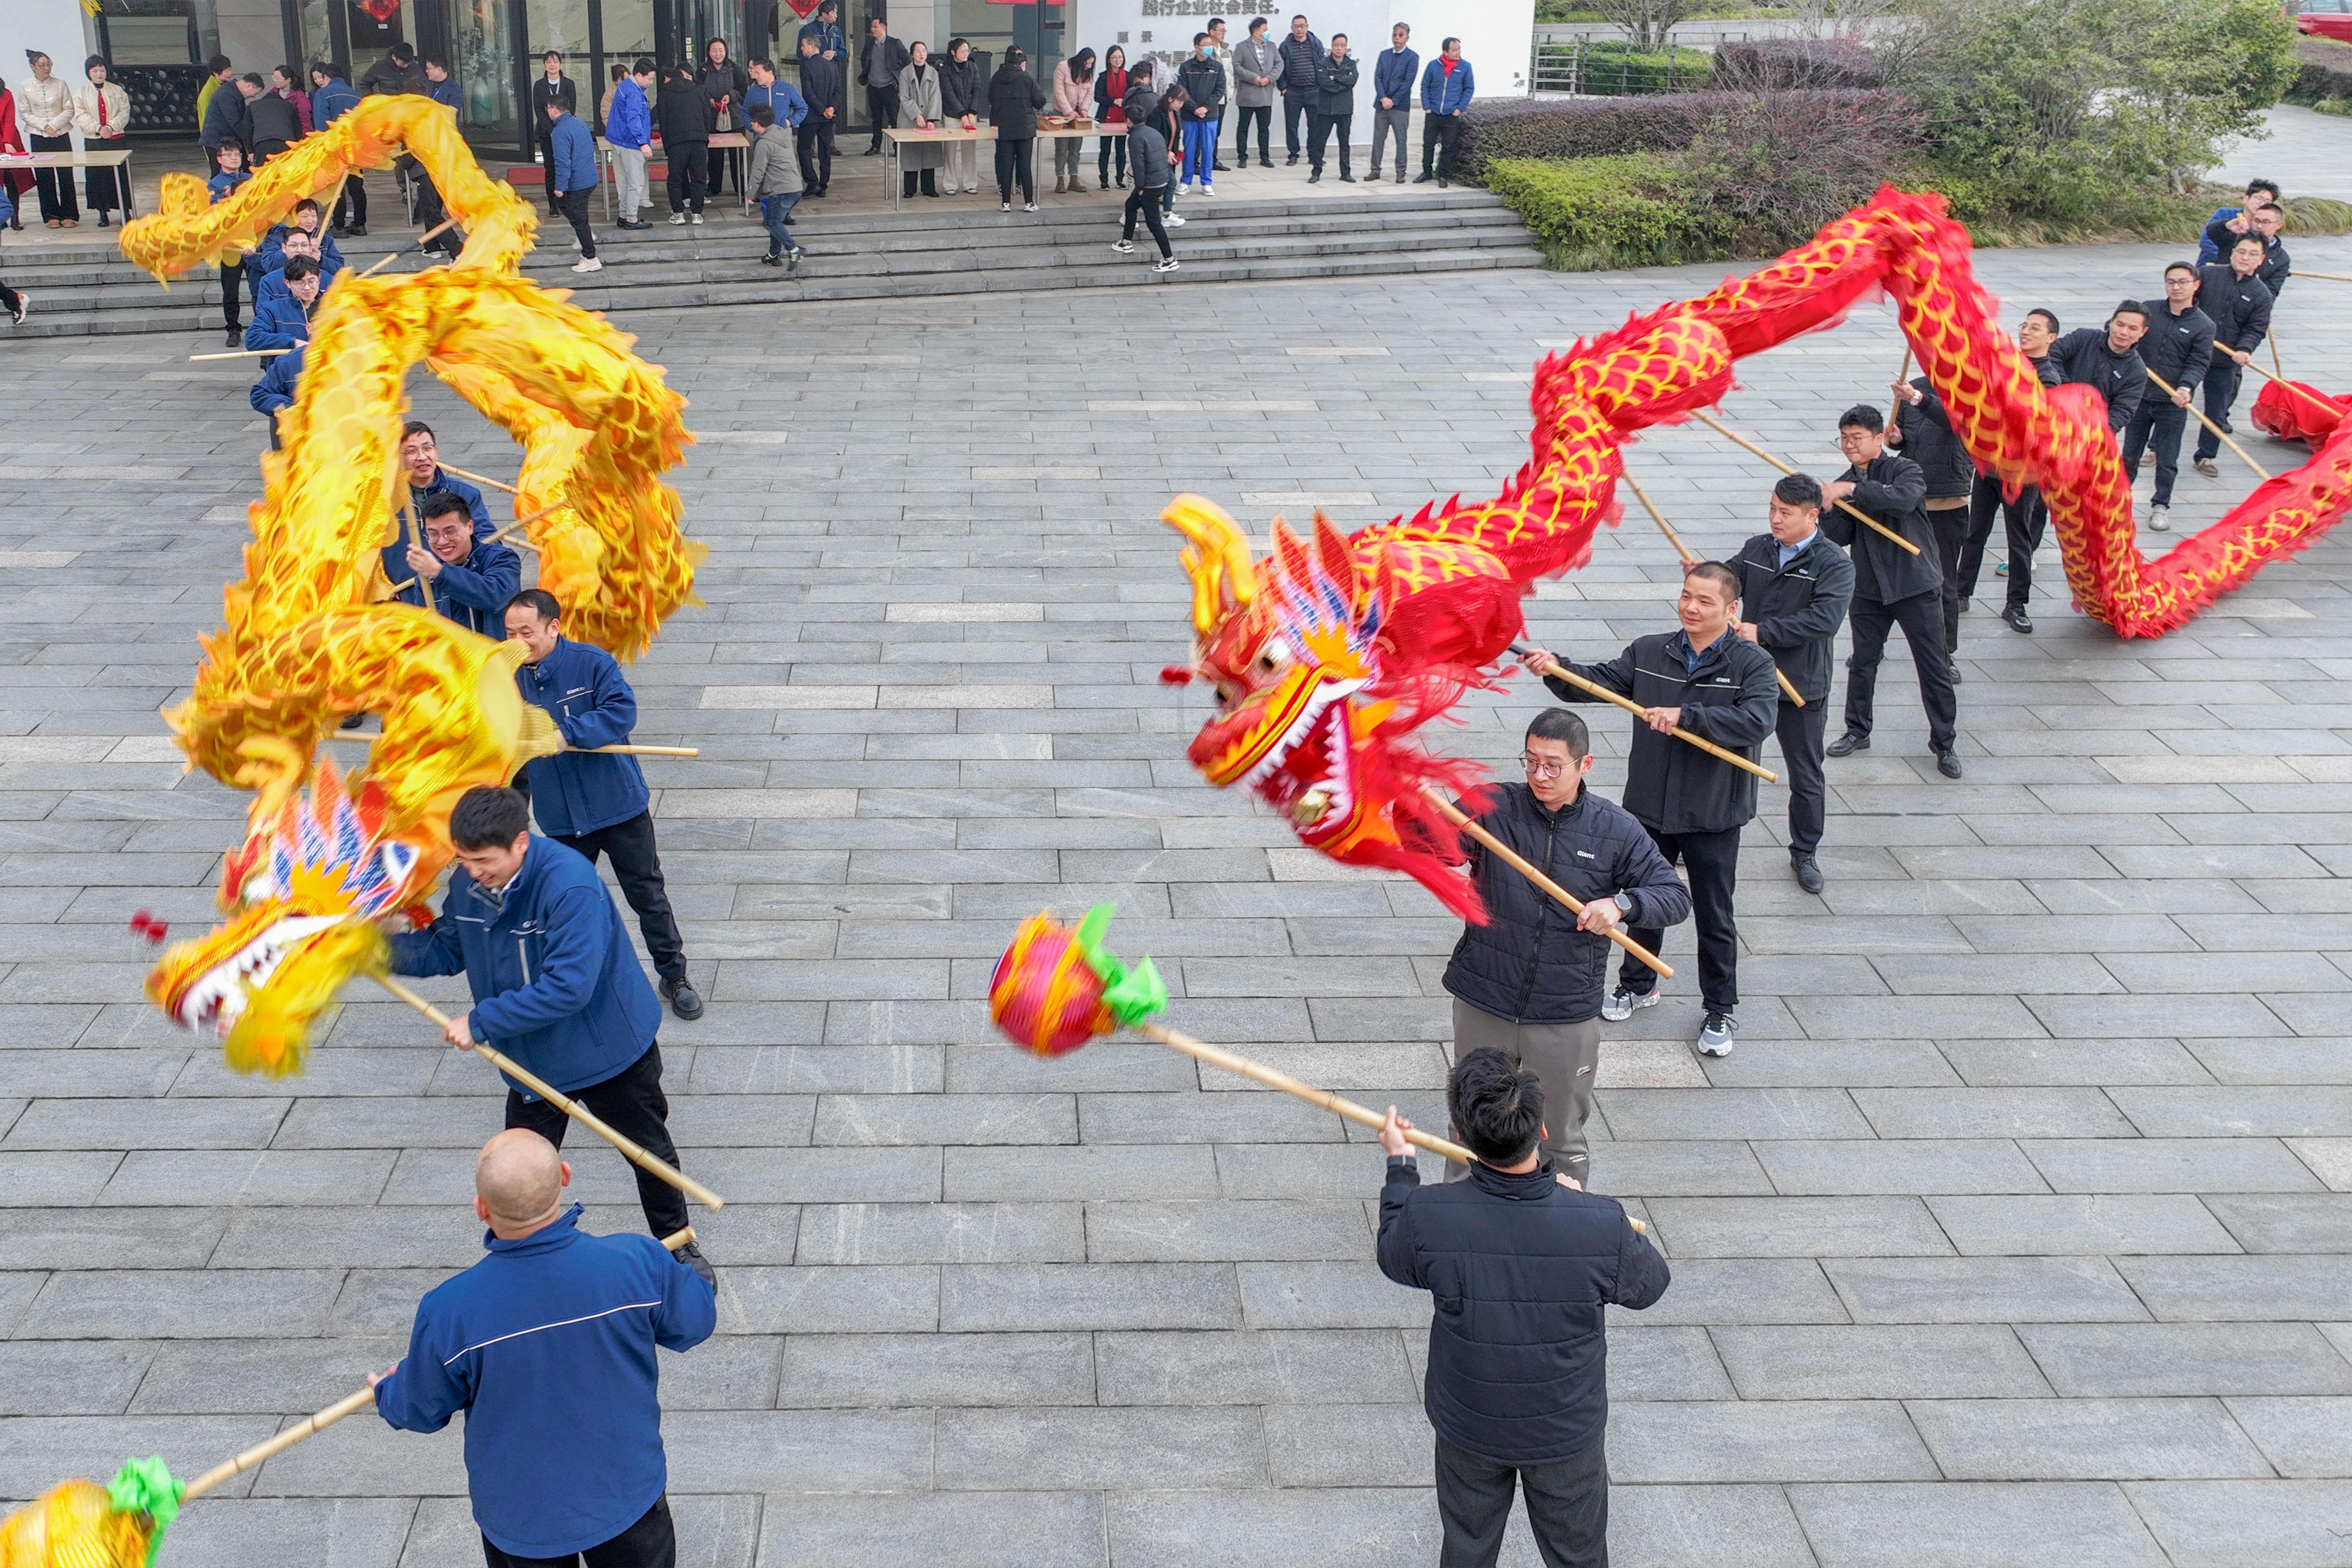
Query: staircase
x=929, y=249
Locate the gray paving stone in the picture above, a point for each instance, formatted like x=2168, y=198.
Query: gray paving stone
x=1742, y=1290
x=336, y=1532
x=956, y=1530
x=2168, y=1165
x=2305, y=1439
x=1057, y=1450
x=1789, y=1441
x=2153, y=1359
x=2212, y=1524
x=941, y=1233
x=1797, y=1227
x=1314, y=1527
x=1987, y=1289
x=827, y=1372
x=1961, y=1361
x=1304, y=1230
x=1692, y=1527
x=1258, y=1367
x=1962, y=1524
x=2072, y=1224
x=1861, y=1166
x=2081, y=1440
x=1039, y=1296
x=2241, y=1289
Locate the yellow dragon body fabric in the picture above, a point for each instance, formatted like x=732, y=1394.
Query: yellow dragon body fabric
x=306, y=643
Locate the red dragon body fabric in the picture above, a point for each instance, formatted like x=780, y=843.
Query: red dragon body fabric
x=1330, y=653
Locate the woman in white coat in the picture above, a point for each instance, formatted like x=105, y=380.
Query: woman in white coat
x=919, y=110
x=45, y=110
x=103, y=115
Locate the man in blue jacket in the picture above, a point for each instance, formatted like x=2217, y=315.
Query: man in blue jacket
x=555, y=985
x=331, y=98
x=420, y=455
x=274, y=392
x=469, y=579
x=571, y=178
x=1446, y=89
x=282, y=307
x=629, y=130
x=597, y=804
x=273, y=251
x=548, y=1345
x=1521, y=1271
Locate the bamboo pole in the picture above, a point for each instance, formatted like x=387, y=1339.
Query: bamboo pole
x=238, y=353
x=1848, y=507
x=1690, y=558
x=2169, y=389
x=519, y=524
x=418, y=244
x=421, y=582
x=1560, y=672
x=1518, y=863
x=2331, y=276
x=480, y=479
x=629, y=1149
x=2274, y=355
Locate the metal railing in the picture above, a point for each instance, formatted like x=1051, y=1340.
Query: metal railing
x=1604, y=67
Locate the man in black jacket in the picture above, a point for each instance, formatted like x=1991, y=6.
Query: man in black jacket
x=2179, y=348
x=2266, y=223
x=1891, y=586
x=2106, y=360
x=1301, y=52
x=1923, y=428
x=1794, y=590
x=879, y=60
x=821, y=86
x=2240, y=306
x=2023, y=516
x=1720, y=687
x=1521, y=1271
x=1528, y=982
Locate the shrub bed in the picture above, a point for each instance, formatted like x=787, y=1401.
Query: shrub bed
x=2323, y=79
x=1630, y=210
x=1593, y=128
x=1779, y=63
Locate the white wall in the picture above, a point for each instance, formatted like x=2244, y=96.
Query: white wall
x=253, y=36
x=53, y=26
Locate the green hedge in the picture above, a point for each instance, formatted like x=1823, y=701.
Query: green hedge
x=2323, y=74
x=1607, y=69
x=1590, y=213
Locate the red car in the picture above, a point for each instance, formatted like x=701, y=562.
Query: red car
x=2326, y=20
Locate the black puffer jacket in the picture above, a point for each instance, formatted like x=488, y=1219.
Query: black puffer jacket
x=682, y=112
x=2177, y=348
x=962, y=89
x=1797, y=608
x=1529, y=962
x=1335, y=87
x=2241, y=307
x=1929, y=440
x=2084, y=358
x=1520, y=1270
x=1014, y=99
x=1731, y=698
x=1893, y=490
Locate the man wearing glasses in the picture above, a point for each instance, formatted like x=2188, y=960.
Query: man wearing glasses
x=1528, y=982
x=1708, y=680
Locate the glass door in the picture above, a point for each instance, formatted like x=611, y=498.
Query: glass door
x=481, y=41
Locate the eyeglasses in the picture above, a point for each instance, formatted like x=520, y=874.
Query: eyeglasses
x=1541, y=768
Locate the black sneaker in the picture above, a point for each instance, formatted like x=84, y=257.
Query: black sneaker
x=1850, y=743
x=1292, y=162
x=1808, y=872
x=680, y=995
x=691, y=1256
x=1947, y=762
x=233, y=338
x=2016, y=619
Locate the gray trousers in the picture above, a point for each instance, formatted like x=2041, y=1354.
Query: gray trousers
x=629, y=174
x=1387, y=123
x=1563, y=1056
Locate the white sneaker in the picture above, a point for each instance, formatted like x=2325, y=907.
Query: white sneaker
x=1030, y=207
x=588, y=264
x=697, y=220
x=1004, y=206
x=1621, y=1004
x=678, y=219
x=1173, y=220
x=971, y=190
x=2160, y=519
x=1207, y=189
x=1124, y=246
x=1165, y=264
x=1715, y=1034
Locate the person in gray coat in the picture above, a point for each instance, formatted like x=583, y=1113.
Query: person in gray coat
x=1257, y=77
x=921, y=107
x=773, y=178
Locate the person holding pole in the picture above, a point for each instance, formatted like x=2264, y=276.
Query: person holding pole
x=1528, y=983
x=2179, y=348
x=467, y=579
x=1891, y=586
x=1794, y=591
x=1922, y=427
x=420, y=455
x=1707, y=680
x=555, y=985
x=2240, y=306
x=2023, y=516
x=547, y=1344
x=596, y=804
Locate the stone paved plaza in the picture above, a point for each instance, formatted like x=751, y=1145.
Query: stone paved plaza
x=2015, y=1231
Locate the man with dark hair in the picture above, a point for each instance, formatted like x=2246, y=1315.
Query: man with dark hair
x=331, y=98
x=1891, y=586
x=2265, y=221
x=596, y=802
x=1394, y=74
x=1301, y=52
x=1257, y=71
x=1794, y=591
x=2106, y=359
x=469, y=579
x=1922, y=427
x=571, y=178
x=552, y=87
x=398, y=73
x=879, y=60
x=2179, y=348
x=1521, y=1269
x=420, y=457
x=275, y=122
x=821, y=86
x=229, y=117
x=629, y=130
x=555, y=985
x=2212, y=251
x=2239, y=304
x=1448, y=87
x=219, y=74
x=2023, y=516
x=1708, y=681
x=1528, y=983
x=281, y=317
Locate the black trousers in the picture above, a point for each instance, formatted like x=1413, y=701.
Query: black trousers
x=2158, y=423
x=1145, y=200
x=1263, y=114
x=232, y=295
x=1441, y=140
x=2023, y=522
x=722, y=160
x=1016, y=160
x=631, y=1103
x=813, y=141
x=1297, y=108
x=881, y=110
x=547, y=165
x=690, y=175
x=1712, y=861
x=636, y=862
x=1110, y=145
x=1568, y=1508
x=651, y=1543
x=1921, y=617
x=350, y=202
x=57, y=184
x=2222, y=379
x=574, y=204
x=1800, y=731
x=103, y=190
x=1950, y=526
x=1324, y=124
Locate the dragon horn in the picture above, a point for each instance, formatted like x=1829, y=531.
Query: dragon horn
x=1218, y=558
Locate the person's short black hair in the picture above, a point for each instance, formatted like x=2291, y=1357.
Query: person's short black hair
x=829, y=7
x=555, y=55
x=763, y=61
x=217, y=65
x=641, y=65
x=491, y=816
x=298, y=267
x=436, y=60
x=231, y=144
x=1798, y=490
x=1497, y=1108
x=1200, y=39
x=1716, y=572
x=1216, y=22
x=1256, y=23
x=539, y=601
x=306, y=202
x=761, y=114
x=403, y=52
x=1862, y=415
x=1446, y=43
x=286, y=71
x=2188, y=267
x=255, y=78
x=2130, y=308
x=2269, y=185
x=881, y=22
x=418, y=428
x=441, y=504
x=2047, y=315
x=1337, y=38
x=1559, y=724
x=1015, y=55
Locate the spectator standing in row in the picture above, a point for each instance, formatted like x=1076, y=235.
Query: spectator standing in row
x=229, y=119
x=1301, y=53
x=2213, y=252
x=821, y=87
x=833, y=49
x=1446, y=89
x=1168, y=114
x=1014, y=99
x=920, y=108
x=728, y=87
x=45, y=110
x=275, y=125
x=879, y=61
x=1072, y=98
x=1203, y=81
x=1111, y=95
x=219, y=74
x=2024, y=517
x=1148, y=152
x=331, y=98
x=1257, y=75
x=964, y=93
x=553, y=87
x=1221, y=52
x=285, y=82
x=103, y=115
x=773, y=178
x=1393, y=76
x=13, y=183
x=231, y=173
x=1922, y=427
x=2179, y=348
x=1335, y=108
x=2239, y=308
x=571, y=178
x=629, y=130
x=685, y=142
x=396, y=73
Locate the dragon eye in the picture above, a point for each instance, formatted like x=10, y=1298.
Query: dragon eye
x=1275, y=655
